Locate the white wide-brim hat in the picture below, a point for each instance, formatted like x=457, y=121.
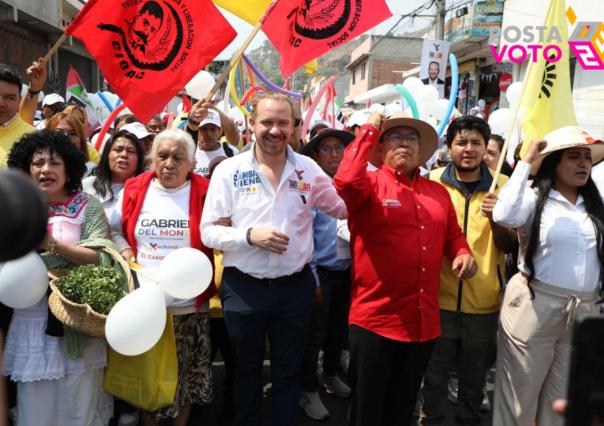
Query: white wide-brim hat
x=569, y=137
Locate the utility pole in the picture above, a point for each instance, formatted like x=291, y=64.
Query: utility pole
x=440, y=19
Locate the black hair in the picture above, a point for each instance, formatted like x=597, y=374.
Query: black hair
x=56, y=143
x=102, y=183
x=153, y=8
x=468, y=122
x=543, y=182
x=434, y=62
x=10, y=75
x=495, y=137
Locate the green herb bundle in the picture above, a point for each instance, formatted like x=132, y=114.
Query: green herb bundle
x=100, y=287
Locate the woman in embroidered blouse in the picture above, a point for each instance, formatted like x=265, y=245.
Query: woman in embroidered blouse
x=560, y=223
x=52, y=387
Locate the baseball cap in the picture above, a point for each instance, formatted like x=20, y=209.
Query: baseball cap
x=52, y=98
x=138, y=129
x=212, y=118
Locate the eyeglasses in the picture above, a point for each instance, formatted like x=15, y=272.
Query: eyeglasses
x=398, y=137
x=325, y=149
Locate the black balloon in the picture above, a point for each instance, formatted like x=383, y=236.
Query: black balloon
x=23, y=215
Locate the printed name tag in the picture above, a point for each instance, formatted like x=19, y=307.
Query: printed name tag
x=388, y=202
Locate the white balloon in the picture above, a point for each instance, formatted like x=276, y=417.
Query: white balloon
x=200, y=85
x=412, y=84
x=426, y=94
x=185, y=273
x=377, y=108
x=513, y=93
x=439, y=108
x=500, y=120
x=136, y=323
x=23, y=281
x=392, y=108
x=432, y=122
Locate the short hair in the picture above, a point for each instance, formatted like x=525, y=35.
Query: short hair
x=179, y=136
x=434, y=62
x=75, y=123
x=56, y=143
x=153, y=8
x=9, y=75
x=495, y=137
x=275, y=96
x=468, y=122
x=103, y=180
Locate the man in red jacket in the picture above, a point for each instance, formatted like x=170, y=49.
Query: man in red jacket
x=401, y=224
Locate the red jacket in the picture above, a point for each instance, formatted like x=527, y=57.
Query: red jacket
x=399, y=231
x=135, y=191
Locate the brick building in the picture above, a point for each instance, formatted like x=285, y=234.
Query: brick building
x=380, y=61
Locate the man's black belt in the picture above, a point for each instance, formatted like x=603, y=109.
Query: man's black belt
x=270, y=282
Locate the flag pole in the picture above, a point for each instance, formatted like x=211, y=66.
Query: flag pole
x=55, y=47
x=236, y=57
x=508, y=134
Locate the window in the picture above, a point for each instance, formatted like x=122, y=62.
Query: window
x=354, y=71
x=363, y=70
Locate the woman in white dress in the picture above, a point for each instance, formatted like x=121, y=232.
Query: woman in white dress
x=57, y=385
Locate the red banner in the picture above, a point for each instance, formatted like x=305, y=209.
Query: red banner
x=302, y=30
x=149, y=49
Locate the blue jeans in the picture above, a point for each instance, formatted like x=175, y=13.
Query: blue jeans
x=280, y=310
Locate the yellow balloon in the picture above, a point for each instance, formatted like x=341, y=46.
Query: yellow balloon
x=233, y=91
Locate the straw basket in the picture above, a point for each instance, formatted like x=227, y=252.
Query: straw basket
x=81, y=317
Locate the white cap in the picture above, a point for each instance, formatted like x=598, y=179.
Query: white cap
x=212, y=118
x=52, y=98
x=138, y=129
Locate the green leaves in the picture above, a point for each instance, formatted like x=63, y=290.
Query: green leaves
x=100, y=287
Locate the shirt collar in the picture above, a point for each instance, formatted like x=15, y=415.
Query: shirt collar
x=251, y=153
x=555, y=195
x=484, y=184
x=399, y=176
x=11, y=121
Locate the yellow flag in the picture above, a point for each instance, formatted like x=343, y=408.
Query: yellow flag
x=252, y=11
x=547, y=96
x=248, y=10
x=311, y=67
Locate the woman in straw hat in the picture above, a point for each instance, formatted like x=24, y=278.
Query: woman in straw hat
x=560, y=222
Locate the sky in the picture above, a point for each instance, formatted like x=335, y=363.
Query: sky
x=397, y=7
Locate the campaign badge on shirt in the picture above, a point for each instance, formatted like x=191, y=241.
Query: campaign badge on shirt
x=390, y=202
x=246, y=181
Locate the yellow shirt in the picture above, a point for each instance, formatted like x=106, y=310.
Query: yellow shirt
x=215, y=304
x=11, y=134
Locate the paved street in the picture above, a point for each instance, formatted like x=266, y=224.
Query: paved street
x=209, y=416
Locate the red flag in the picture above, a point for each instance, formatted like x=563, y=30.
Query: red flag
x=315, y=26
x=149, y=49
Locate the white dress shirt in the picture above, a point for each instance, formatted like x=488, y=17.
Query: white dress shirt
x=566, y=255
x=239, y=191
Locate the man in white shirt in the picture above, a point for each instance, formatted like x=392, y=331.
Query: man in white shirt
x=209, y=145
x=267, y=287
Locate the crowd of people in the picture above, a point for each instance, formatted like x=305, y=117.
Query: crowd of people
x=411, y=280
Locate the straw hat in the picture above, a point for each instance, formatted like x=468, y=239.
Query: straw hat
x=569, y=137
x=428, y=139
